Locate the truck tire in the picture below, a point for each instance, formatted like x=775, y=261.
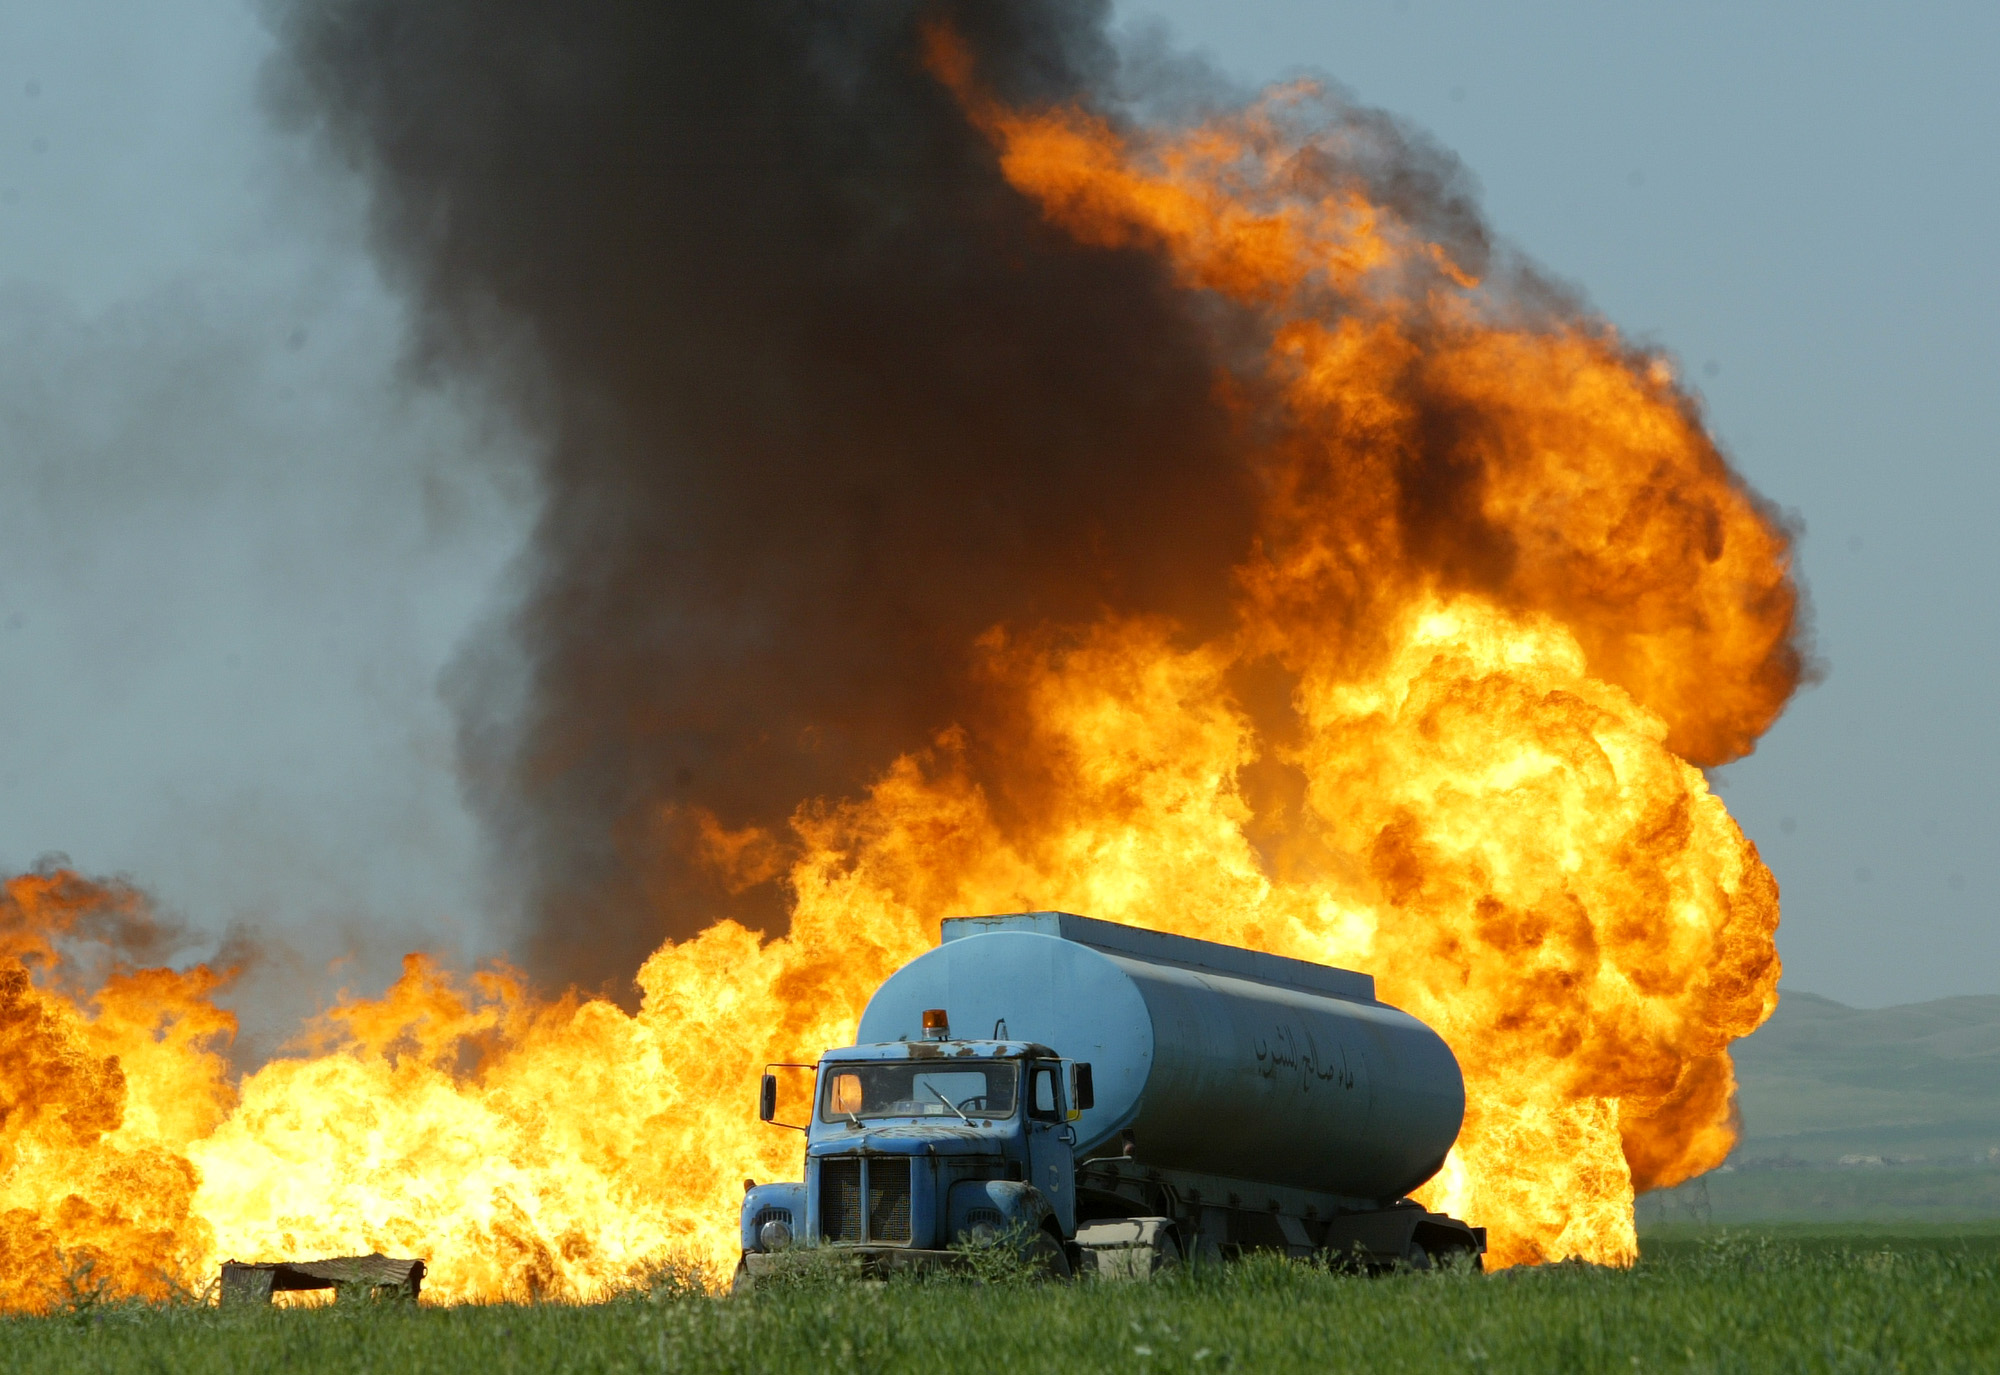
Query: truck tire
x=1048, y=1258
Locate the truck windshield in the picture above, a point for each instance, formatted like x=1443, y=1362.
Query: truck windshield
x=903, y=1088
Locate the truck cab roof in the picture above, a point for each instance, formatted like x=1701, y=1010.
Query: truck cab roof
x=940, y=1050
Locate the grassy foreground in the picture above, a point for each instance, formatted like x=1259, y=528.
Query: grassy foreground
x=1744, y=1303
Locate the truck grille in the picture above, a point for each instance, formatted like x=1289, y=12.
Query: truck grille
x=885, y=1181
x=889, y=1199
x=840, y=1198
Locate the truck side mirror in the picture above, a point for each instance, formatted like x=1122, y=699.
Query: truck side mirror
x=767, y=1096
x=1082, y=1092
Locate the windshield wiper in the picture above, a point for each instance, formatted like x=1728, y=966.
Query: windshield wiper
x=948, y=1103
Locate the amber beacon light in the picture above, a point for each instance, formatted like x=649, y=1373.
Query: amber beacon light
x=937, y=1026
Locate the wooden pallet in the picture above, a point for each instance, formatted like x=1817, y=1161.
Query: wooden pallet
x=347, y=1275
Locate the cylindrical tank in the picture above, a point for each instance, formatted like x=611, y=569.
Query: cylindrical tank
x=1220, y=1061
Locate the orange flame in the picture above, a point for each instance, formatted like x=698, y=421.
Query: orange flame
x=98, y=1108
x=1497, y=812
x=1480, y=786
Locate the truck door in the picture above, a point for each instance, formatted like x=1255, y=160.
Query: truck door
x=1051, y=1163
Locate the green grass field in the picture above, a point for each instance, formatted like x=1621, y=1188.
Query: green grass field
x=1776, y=1300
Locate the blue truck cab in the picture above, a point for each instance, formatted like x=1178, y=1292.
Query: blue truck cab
x=916, y=1145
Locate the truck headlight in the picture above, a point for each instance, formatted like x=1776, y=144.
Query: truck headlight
x=774, y=1235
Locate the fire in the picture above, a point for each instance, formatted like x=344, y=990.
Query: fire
x=101, y=1093
x=1514, y=596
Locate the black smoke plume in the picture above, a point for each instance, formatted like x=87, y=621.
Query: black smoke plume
x=824, y=398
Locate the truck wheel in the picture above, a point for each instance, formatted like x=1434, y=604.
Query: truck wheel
x=1047, y=1258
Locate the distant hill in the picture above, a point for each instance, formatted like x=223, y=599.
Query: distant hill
x=1857, y=1114
x=1821, y=1080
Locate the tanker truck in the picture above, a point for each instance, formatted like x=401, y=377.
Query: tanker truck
x=1116, y=1099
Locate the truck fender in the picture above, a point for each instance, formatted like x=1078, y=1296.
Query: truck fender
x=784, y=1203
x=1406, y=1235
x=1448, y=1242
x=996, y=1204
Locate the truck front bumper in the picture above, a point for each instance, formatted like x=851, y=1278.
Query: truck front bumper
x=869, y=1262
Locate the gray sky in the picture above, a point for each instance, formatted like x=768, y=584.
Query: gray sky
x=237, y=548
